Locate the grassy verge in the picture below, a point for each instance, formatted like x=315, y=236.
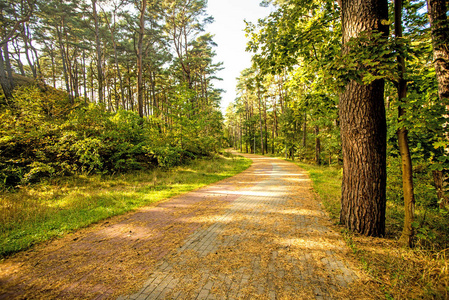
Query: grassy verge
x=401, y=273
x=40, y=212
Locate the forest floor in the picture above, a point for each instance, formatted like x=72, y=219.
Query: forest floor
x=260, y=234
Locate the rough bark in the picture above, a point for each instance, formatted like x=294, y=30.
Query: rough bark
x=437, y=10
x=439, y=23
x=363, y=131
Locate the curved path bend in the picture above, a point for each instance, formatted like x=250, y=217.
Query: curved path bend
x=258, y=235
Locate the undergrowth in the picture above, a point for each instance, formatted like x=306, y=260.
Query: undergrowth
x=418, y=273
x=55, y=206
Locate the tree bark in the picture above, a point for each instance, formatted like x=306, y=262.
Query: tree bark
x=4, y=81
x=402, y=133
x=439, y=23
x=64, y=60
x=260, y=120
x=317, y=146
x=363, y=131
x=139, y=58
x=437, y=10
x=304, y=132
x=98, y=50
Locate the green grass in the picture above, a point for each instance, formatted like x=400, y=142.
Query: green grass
x=37, y=213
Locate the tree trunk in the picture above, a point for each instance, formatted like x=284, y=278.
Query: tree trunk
x=437, y=10
x=139, y=58
x=4, y=80
x=84, y=77
x=363, y=131
x=98, y=49
x=304, y=132
x=64, y=61
x=317, y=146
x=438, y=179
x=402, y=133
x=260, y=121
x=439, y=23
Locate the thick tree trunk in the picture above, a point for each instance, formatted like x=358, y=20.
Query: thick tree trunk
x=439, y=23
x=402, y=133
x=437, y=10
x=363, y=131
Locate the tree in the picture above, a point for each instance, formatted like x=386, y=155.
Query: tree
x=437, y=10
x=98, y=51
x=12, y=16
x=363, y=129
x=141, y=32
x=402, y=133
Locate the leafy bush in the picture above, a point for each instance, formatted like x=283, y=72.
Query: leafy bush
x=44, y=134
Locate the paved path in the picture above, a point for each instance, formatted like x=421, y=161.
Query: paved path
x=271, y=243
x=258, y=235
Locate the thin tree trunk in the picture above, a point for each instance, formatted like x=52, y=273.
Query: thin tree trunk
x=4, y=81
x=139, y=58
x=64, y=62
x=402, y=133
x=317, y=146
x=84, y=77
x=98, y=50
x=304, y=132
x=260, y=121
x=25, y=37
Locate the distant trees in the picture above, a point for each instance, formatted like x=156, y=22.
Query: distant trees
x=117, y=53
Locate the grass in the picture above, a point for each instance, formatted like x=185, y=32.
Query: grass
x=401, y=273
x=37, y=213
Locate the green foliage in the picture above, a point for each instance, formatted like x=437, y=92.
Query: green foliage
x=45, y=135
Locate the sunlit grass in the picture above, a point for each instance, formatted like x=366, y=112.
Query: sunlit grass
x=37, y=213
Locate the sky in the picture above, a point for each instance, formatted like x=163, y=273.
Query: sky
x=228, y=29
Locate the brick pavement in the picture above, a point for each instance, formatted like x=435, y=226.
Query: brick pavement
x=273, y=242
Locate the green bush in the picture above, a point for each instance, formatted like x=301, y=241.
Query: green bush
x=43, y=134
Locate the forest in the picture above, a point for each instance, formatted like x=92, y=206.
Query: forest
x=104, y=87
x=290, y=102
x=110, y=87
